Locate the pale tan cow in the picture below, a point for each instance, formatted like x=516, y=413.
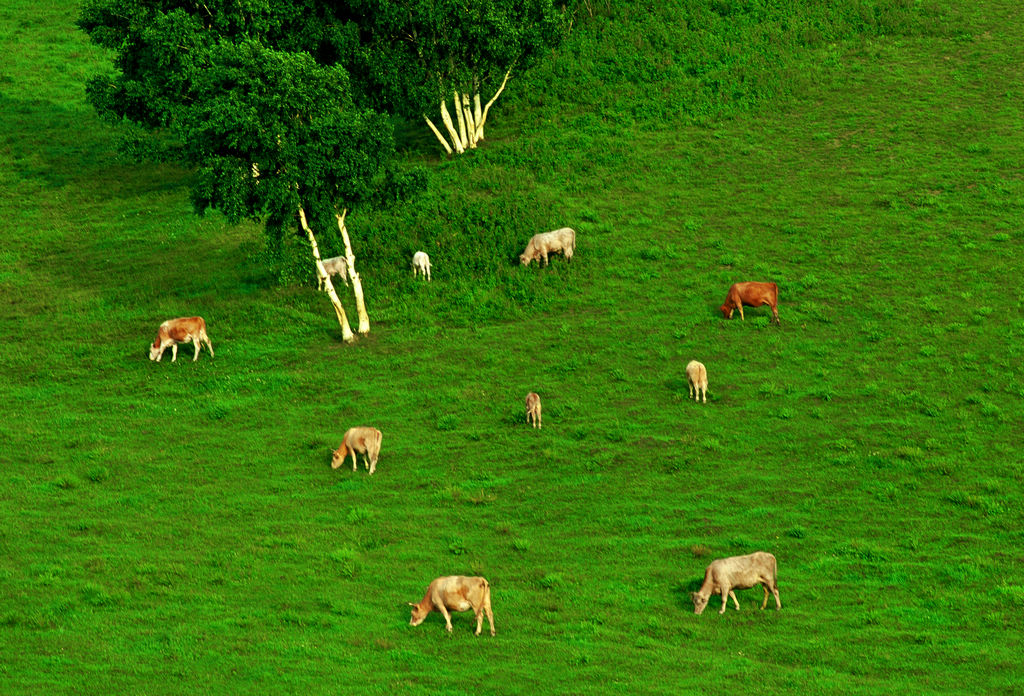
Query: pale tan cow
x=541, y=245
x=697, y=377
x=364, y=440
x=455, y=593
x=182, y=330
x=533, y=409
x=738, y=573
x=337, y=265
x=421, y=264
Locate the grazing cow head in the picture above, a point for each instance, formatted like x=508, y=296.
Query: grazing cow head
x=339, y=457
x=524, y=260
x=418, y=614
x=699, y=603
x=726, y=311
x=154, y=349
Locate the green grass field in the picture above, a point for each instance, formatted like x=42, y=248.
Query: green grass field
x=177, y=528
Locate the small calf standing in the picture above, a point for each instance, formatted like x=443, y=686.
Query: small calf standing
x=175, y=331
x=754, y=295
x=542, y=245
x=337, y=265
x=421, y=264
x=533, y=409
x=738, y=573
x=455, y=593
x=363, y=440
x=697, y=377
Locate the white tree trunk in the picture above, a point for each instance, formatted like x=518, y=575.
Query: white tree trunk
x=471, y=119
x=357, y=285
x=487, y=107
x=444, y=143
x=346, y=330
x=460, y=115
x=478, y=117
x=446, y=118
x=470, y=122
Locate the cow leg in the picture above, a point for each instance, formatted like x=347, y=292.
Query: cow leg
x=490, y=616
x=479, y=621
x=765, y=602
x=725, y=600
x=734, y=600
x=373, y=465
x=208, y=344
x=174, y=352
x=447, y=617
x=545, y=255
x=353, y=459
x=775, y=314
x=741, y=312
x=198, y=343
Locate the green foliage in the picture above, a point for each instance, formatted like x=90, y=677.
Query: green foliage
x=414, y=54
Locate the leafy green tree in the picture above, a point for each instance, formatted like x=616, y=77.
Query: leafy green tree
x=272, y=135
x=415, y=55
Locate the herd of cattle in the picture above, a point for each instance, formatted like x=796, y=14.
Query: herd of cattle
x=461, y=593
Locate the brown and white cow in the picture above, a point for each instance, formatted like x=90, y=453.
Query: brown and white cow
x=455, y=593
x=364, y=440
x=738, y=573
x=754, y=295
x=541, y=245
x=337, y=265
x=533, y=409
x=182, y=330
x=697, y=377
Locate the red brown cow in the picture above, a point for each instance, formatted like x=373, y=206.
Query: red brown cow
x=175, y=331
x=455, y=593
x=753, y=295
x=363, y=440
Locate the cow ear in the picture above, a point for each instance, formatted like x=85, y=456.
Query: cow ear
x=412, y=604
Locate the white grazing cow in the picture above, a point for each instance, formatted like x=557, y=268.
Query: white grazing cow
x=175, y=331
x=366, y=441
x=533, y=409
x=697, y=377
x=545, y=243
x=421, y=264
x=455, y=593
x=333, y=266
x=738, y=573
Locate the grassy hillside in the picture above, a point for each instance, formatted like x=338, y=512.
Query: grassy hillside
x=176, y=528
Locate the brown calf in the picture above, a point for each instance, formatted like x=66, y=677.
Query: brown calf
x=697, y=377
x=366, y=441
x=753, y=295
x=455, y=593
x=175, y=331
x=533, y=409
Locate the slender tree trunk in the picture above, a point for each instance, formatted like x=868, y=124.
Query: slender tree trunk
x=346, y=330
x=460, y=116
x=444, y=143
x=357, y=284
x=470, y=116
x=487, y=107
x=470, y=122
x=446, y=118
